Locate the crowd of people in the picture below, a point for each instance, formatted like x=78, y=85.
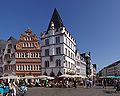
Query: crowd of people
x=12, y=87
x=115, y=83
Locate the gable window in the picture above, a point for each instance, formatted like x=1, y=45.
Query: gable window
x=46, y=42
x=10, y=46
x=8, y=51
x=58, y=50
x=46, y=52
x=57, y=39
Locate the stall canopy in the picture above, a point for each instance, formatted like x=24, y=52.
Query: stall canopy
x=110, y=77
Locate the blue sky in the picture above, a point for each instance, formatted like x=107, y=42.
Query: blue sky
x=95, y=24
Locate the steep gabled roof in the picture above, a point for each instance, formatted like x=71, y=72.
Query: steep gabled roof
x=3, y=43
x=56, y=19
x=13, y=40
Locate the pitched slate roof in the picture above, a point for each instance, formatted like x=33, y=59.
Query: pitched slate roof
x=2, y=43
x=13, y=40
x=114, y=64
x=56, y=19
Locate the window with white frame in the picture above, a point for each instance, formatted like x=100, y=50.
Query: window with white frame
x=25, y=67
x=31, y=67
x=34, y=67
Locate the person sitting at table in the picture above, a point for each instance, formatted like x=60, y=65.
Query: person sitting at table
x=1, y=88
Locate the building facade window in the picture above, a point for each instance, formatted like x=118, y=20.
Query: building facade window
x=46, y=52
x=31, y=54
x=65, y=51
x=31, y=67
x=25, y=67
x=36, y=55
x=8, y=51
x=10, y=46
x=46, y=63
x=69, y=43
x=34, y=67
x=69, y=64
x=57, y=39
x=46, y=42
x=23, y=55
x=66, y=40
x=37, y=67
x=65, y=63
x=26, y=54
x=58, y=50
x=69, y=53
x=58, y=62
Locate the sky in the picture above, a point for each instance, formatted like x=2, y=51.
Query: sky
x=95, y=24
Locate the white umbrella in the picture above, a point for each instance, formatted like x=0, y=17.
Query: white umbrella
x=50, y=78
x=76, y=76
x=65, y=76
x=27, y=77
x=44, y=77
x=10, y=77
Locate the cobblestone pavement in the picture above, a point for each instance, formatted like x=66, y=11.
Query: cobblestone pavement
x=80, y=91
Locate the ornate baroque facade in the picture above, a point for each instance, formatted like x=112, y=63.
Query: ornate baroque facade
x=28, y=55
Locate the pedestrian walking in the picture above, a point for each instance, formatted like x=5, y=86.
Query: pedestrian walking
x=104, y=83
x=74, y=81
x=90, y=83
x=87, y=83
x=115, y=83
x=118, y=86
x=6, y=88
